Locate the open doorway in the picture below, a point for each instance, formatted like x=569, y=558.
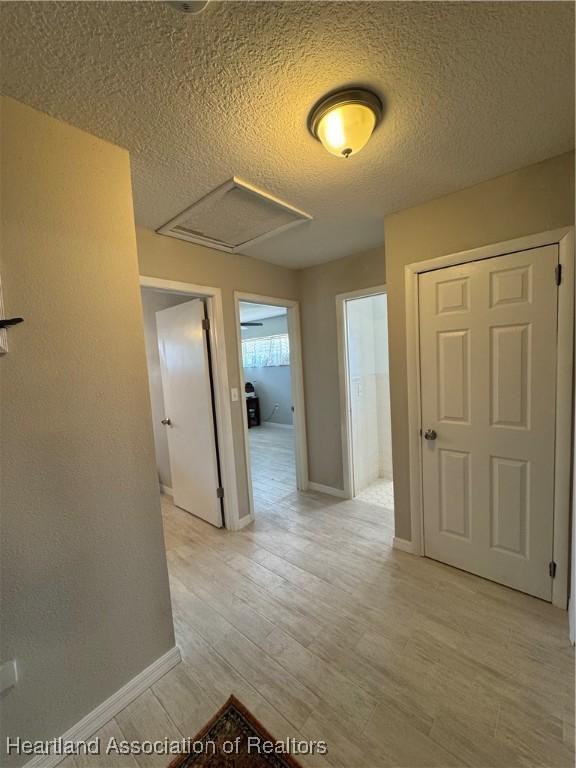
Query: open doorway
x=271, y=387
x=189, y=397
x=365, y=383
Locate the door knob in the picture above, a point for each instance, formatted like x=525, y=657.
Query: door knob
x=167, y=422
x=430, y=434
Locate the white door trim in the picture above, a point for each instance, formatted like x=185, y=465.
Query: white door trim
x=213, y=298
x=297, y=379
x=564, y=238
x=344, y=389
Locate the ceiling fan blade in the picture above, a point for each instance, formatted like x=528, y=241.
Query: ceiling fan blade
x=244, y=325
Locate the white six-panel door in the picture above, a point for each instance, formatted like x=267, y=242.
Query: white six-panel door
x=488, y=382
x=185, y=372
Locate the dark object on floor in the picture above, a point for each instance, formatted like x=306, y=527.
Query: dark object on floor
x=253, y=411
x=232, y=726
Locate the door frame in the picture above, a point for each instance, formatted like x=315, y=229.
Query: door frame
x=213, y=298
x=343, y=381
x=297, y=382
x=564, y=238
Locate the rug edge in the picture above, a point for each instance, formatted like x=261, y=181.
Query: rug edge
x=254, y=722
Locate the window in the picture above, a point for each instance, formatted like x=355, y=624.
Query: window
x=266, y=351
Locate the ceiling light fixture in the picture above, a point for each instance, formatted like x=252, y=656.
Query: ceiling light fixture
x=193, y=6
x=344, y=121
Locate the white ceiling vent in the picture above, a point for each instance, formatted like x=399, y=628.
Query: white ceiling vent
x=233, y=216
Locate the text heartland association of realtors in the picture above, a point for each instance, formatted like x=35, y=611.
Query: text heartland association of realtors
x=113, y=746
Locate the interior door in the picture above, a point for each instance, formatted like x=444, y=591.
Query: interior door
x=488, y=381
x=185, y=371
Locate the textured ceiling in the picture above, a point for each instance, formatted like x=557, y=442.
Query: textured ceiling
x=472, y=90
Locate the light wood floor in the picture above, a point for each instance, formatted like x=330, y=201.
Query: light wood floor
x=325, y=632
x=273, y=462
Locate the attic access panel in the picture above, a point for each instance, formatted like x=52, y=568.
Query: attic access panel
x=232, y=216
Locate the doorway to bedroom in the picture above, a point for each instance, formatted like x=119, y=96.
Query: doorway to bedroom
x=272, y=391
x=268, y=401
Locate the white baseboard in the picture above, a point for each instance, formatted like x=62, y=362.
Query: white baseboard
x=319, y=488
x=276, y=424
x=243, y=522
x=166, y=490
x=89, y=725
x=403, y=545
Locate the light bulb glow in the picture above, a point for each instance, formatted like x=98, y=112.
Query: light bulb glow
x=331, y=131
x=345, y=121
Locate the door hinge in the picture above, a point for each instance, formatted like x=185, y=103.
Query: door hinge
x=220, y=492
x=558, y=272
x=205, y=324
x=552, y=569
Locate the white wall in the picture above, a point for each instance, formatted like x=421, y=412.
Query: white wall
x=152, y=302
x=382, y=372
x=369, y=390
x=363, y=400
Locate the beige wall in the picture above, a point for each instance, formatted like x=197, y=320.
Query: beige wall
x=172, y=259
x=153, y=301
x=85, y=601
x=319, y=287
x=533, y=199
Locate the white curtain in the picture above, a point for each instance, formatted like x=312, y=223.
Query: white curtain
x=266, y=351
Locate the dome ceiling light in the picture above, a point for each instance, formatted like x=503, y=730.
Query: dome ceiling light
x=193, y=6
x=344, y=121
